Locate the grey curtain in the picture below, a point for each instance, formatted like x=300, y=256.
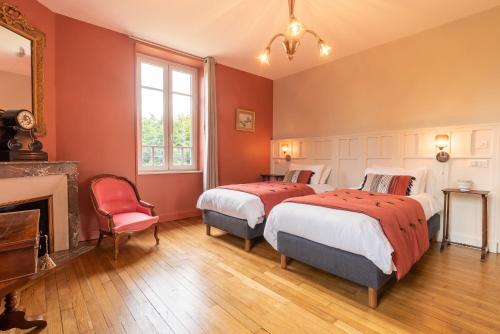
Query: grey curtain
x=210, y=168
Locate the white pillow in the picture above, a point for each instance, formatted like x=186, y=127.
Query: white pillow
x=325, y=175
x=420, y=175
x=317, y=169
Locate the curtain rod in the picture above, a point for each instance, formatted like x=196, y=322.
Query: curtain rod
x=166, y=48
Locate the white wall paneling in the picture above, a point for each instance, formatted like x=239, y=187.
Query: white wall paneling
x=474, y=151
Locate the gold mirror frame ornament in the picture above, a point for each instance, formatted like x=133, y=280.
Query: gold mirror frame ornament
x=12, y=19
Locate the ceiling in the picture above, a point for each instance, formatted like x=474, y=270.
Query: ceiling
x=236, y=31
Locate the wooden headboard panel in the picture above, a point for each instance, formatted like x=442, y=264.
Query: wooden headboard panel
x=474, y=151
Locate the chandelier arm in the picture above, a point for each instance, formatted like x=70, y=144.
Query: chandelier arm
x=314, y=34
x=273, y=39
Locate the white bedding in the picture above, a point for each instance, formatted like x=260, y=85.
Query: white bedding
x=240, y=204
x=349, y=231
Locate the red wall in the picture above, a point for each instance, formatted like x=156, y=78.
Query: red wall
x=243, y=156
x=90, y=87
x=95, y=104
x=42, y=18
x=95, y=78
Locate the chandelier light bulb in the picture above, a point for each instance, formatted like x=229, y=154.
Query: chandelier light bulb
x=324, y=49
x=295, y=29
x=265, y=56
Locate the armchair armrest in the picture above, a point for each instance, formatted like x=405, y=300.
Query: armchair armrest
x=146, y=204
x=105, y=213
x=146, y=208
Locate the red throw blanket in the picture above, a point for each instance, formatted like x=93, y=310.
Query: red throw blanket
x=402, y=220
x=272, y=193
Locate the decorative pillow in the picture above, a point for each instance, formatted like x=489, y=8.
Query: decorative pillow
x=419, y=174
x=317, y=169
x=298, y=176
x=325, y=175
x=388, y=184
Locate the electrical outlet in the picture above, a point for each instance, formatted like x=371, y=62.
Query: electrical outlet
x=479, y=163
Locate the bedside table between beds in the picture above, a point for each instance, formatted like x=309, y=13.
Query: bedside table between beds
x=272, y=177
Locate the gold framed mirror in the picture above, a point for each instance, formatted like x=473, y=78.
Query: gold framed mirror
x=20, y=42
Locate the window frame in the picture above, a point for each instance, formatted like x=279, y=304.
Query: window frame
x=168, y=67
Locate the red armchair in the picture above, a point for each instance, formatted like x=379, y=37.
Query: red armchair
x=120, y=209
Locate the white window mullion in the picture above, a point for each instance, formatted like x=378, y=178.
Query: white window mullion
x=166, y=118
x=167, y=115
x=139, y=109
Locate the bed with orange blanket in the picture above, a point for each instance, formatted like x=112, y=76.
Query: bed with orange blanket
x=241, y=209
x=362, y=236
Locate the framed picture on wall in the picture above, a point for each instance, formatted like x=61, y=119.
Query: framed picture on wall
x=245, y=120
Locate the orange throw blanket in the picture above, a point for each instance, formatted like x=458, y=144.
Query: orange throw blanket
x=272, y=193
x=402, y=219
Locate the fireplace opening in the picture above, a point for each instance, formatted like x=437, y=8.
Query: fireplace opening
x=44, y=204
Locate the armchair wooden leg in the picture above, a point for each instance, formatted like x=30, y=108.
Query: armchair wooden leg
x=156, y=234
x=101, y=236
x=208, y=229
x=372, y=297
x=116, y=237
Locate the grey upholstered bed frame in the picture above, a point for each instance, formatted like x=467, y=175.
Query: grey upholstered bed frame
x=353, y=267
x=235, y=226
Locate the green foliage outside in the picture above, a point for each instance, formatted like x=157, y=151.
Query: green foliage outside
x=182, y=131
x=152, y=131
x=152, y=135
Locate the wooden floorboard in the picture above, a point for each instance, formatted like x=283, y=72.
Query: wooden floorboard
x=193, y=283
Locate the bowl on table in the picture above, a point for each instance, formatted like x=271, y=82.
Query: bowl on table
x=464, y=185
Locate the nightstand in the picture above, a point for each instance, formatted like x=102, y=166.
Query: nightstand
x=272, y=177
x=446, y=218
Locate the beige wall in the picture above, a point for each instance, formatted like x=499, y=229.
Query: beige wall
x=15, y=91
x=445, y=76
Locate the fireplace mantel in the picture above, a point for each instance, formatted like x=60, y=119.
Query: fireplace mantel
x=19, y=169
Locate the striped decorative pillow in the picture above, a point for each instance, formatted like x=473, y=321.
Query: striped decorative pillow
x=298, y=176
x=388, y=184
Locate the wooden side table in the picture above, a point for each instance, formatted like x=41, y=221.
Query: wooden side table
x=18, y=263
x=446, y=219
x=272, y=177
x=14, y=315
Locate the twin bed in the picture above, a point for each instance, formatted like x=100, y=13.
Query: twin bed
x=242, y=213
x=336, y=231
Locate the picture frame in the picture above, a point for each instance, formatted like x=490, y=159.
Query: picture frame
x=245, y=120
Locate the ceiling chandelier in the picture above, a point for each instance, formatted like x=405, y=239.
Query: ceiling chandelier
x=291, y=38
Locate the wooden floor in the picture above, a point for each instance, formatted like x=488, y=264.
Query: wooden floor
x=193, y=283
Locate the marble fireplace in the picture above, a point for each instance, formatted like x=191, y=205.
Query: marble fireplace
x=54, y=181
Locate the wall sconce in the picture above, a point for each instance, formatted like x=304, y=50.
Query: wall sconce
x=285, y=149
x=442, y=142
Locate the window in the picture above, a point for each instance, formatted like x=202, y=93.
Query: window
x=167, y=116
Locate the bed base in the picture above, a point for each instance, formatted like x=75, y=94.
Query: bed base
x=353, y=267
x=234, y=226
